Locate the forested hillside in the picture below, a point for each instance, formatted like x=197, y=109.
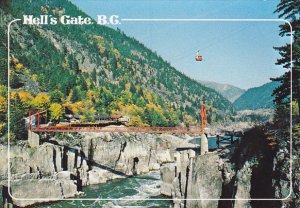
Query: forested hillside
x=257, y=97
x=93, y=69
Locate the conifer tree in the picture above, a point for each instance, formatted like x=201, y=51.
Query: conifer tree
x=17, y=122
x=289, y=10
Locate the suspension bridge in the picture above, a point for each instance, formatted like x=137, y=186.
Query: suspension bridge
x=120, y=129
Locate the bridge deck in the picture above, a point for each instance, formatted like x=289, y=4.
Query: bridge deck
x=123, y=129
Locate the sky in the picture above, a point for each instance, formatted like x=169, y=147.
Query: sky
x=238, y=53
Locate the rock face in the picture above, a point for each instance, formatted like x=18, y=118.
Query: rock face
x=122, y=154
x=252, y=169
x=243, y=184
x=44, y=189
x=193, y=177
x=200, y=180
x=62, y=167
x=208, y=178
x=202, y=187
x=168, y=174
x=40, y=173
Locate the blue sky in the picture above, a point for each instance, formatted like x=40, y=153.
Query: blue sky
x=238, y=53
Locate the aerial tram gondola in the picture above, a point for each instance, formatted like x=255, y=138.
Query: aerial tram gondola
x=198, y=57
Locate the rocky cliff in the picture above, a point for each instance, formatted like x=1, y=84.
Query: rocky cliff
x=59, y=168
x=252, y=169
x=194, y=180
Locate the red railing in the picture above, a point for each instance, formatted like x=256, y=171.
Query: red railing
x=122, y=129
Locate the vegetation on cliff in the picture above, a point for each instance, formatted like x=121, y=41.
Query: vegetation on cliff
x=93, y=69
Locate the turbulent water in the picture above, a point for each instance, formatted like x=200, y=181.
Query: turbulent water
x=137, y=189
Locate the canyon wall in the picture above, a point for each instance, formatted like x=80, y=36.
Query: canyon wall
x=60, y=167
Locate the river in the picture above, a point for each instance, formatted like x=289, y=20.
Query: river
x=138, y=188
x=141, y=187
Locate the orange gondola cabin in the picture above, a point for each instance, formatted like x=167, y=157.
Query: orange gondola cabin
x=198, y=57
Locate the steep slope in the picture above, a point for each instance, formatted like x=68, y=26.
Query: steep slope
x=228, y=91
x=257, y=97
x=93, y=69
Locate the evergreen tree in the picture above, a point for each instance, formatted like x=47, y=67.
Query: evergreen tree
x=15, y=81
x=56, y=96
x=75, y=95
x=3, y=64
x=94, y=76
x=17, y=114
x=4, y=3
x=289, y=9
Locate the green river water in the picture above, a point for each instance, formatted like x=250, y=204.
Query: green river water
x=141, y=187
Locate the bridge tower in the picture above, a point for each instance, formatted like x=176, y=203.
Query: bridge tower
x=33, y=138
x=203, y=142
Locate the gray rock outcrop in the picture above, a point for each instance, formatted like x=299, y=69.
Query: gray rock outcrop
x=191, y=178
x=63, y=166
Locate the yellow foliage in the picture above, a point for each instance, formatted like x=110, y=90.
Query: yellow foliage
x=148, y=97
x=117, y=112
x=101, y=48
x=19, y=66
x=131, y=110
x=41, y=101
x=33, y=77
x=69, y=105
x=91, y=94
x=57, y=111
x=88, y=83
x=65, y=64
x=136, y=121
x=13, y=95
x=116, y=53
x=154, y=107
x=76, y=107
x=128, y=61
x=26, y=98
x=99, y=38
x=3, y=104
x=189, y=121
x=1, y=126
x=79, y=104
x=100, y=43
x=83, y=119
x=81, y=107
x=127, y=86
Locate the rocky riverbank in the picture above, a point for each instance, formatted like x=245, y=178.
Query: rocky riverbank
x=60, y=167
x=254, y=168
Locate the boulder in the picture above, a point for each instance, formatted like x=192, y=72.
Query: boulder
x=43, y=190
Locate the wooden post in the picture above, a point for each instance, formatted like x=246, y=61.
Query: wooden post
x=38, y=119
